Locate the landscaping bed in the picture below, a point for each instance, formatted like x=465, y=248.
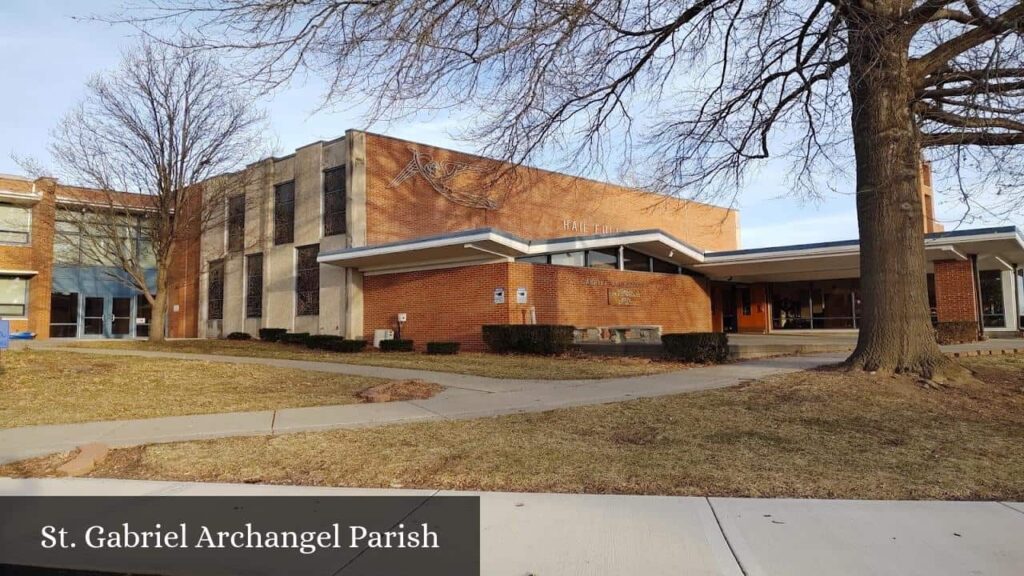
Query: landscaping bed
x=564, y=367
x=817, y=434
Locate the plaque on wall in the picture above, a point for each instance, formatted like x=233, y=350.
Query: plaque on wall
x=623, y=297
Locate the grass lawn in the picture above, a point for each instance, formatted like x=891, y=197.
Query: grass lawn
x=58, y=388
x=822, y=434
x=492, y=365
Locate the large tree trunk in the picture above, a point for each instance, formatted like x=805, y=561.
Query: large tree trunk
x=895, y=330
x=159, y=303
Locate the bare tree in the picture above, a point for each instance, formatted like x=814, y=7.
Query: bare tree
x=154, y=143
x=707, y=87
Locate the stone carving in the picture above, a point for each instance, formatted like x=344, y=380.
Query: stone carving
x=459, y=182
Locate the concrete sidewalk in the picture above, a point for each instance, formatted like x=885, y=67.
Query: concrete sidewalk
x=556, y=534
x=465, y=397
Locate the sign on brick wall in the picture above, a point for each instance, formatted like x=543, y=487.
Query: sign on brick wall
x=623, y=297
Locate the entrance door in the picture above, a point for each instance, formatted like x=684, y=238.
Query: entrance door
x=93, y=317
x=121, y=318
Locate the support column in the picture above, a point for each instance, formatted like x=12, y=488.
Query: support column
x=956, y=295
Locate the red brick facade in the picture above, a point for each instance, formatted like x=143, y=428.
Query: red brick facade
x=956, y=299
x=37, y=256
x=454, y=303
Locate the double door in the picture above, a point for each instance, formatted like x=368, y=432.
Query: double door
x=107, y=317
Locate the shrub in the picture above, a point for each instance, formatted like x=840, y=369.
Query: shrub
x=956, y=332
x=396, y=345
x=699, y=347
x=272, y=334
x=444, y=348
x=545, y=339
x=294, y=338
x=344, y=346
x=239, y=336
x=321, y=341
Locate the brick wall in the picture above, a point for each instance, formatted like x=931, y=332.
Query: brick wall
x=528, y=202
x=955, y=296
x=38, y=255
x=453, y=303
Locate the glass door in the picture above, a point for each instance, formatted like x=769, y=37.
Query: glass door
x=121, y=318
x=93, y=317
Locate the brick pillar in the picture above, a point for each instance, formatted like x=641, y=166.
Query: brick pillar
x=955, y=297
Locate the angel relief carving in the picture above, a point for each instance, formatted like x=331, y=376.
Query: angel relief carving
x=460, y=182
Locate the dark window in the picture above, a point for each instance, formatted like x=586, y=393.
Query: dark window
x=992, y=310
x=13, y=296
x=143, y=316
x=542, y=259
x=63, y=315
x=254, y=286
x=663, y=267
x=284, y=213
x=334, y=202
x=307, y=281
x=744, y=292
x=236, y=223
x=635, y=261
x=215, y=292
x=569, y=259
x=606, y=258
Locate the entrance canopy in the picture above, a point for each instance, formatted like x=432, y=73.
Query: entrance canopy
x=487, y=245
x=996, y=248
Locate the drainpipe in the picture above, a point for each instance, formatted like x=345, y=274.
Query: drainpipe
x=1016, y=298
x=976, y=275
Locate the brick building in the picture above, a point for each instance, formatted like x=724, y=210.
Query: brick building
x=348, y=236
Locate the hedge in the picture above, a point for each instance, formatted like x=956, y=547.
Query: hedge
x=396, y=345
x=545, y=339
x=698, y=347
x=443, y=348
x=345, y=346
x=239, y=336
x=321, y=341
x=294, y=338
x=272, y=334
x=956, y=332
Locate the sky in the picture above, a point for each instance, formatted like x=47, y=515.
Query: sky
x=48, y=56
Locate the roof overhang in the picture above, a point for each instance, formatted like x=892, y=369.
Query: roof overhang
x=996, y=248
x=26, y=198
x=490, y=245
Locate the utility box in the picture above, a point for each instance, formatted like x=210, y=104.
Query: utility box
x=382, y=334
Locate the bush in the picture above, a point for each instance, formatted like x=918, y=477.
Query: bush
x=344, y=346
x=956, y=332
x=272, y=334
x=396, y=345
x=294, y=338
x=321, y=341
x=545, y=339
x=699, y=347
x=443, y=348
x=239, y=336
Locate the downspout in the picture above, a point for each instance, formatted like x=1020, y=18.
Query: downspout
x=1016, y=298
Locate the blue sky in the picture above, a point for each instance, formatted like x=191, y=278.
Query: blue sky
x=48, y=56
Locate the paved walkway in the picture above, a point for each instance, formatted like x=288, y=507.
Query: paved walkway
x=558, y=534
x=464, y=397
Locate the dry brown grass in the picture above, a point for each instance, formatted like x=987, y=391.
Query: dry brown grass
x=491, y=365
x=59, y=388
x=822, y=434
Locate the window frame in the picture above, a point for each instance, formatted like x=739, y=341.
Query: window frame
x=329, y=225
x=236, y=223
x=27, y=298
x=302, y=274
x=279, y=238
x=28, y=227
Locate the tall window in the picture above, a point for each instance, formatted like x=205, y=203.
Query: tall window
x=15, y=224
x=992, y=310
x=236, y=223
x=254, y=286
x=63, y=315
x=13, y=296
x=334, y=201
x=284, y=213
x=215, y=291
x=307, y=281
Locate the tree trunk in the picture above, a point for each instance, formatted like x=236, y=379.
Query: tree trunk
x=156, y=328
x=895, y=330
